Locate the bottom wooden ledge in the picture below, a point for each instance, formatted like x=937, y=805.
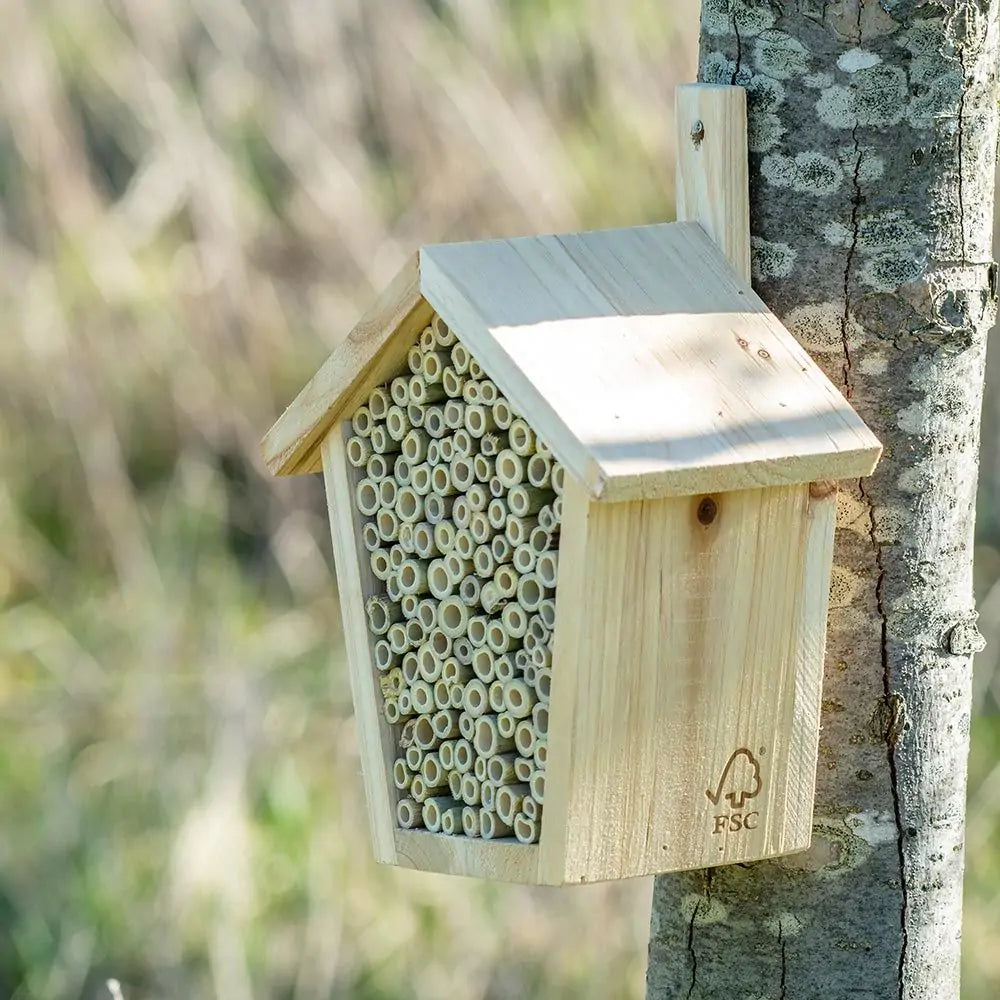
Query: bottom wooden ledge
x=504, y=860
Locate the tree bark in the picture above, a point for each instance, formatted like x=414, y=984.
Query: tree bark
x=873, y=133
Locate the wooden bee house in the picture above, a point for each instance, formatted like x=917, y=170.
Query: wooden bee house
x=582, y=494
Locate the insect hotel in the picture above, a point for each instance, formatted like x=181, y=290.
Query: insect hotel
x=582, y=495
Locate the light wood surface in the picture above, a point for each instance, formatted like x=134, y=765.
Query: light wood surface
x=376, y=740
x=503, y=860
x=679, y=645
x=371, y=352
x=648, y=365
x=712, y=183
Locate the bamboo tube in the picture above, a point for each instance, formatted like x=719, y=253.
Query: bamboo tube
x=524, y=500
x=488, y=392
x=530, y=671
x=500, y=768
x=437, y=507
x=370, y=536
x=506, y=579
x=475, y=698
x=414, y=446
x=479, y=769
x=467, y=726
x=524, y=738
x=477, y=497
x=547, y=612
x=415, y=414
x=496, y=514
x=483, y=562
x=537, y=628
x=463, y=474
x=478, y=418
x=475, y=369
x=540, y=471
x=469, y=591
x=439, y=640
x=483, y=467
x=431, y=770
x=382, y=443
x=420, y=479
x=477, y=630
x=509, y=468
x=392, y=588
x=414, y=358
x=413, y=577
x=502, y=550
x=496, y=489
x=522, y=437
x=434, y=422
x=401, y=774
x=515, y=622
x=407, y=814
x=397, y=640
x=470, y=821
x=397, y=424
x=521, y=659
x=455, y=785
x=490, y=597
x=452, y=382
x=444, y=336
x=490, y=445
x=455, y=694
x=524, y=768
x=422, y=696
x=542, y=541
x=397, y=556
x=503, y=416
x=405, y=538
x=381, y=614
x=414, y=629
x=529, y=642
x=377, y=468
x=530, y=592
x=542, y=448
x=422, y=534
x=359, y=450
x=399, y=390
x=538, y=787
x=453, y=618
x=462, y=649
x=461, y=512
x=541, y=752
x=423, y=732
x=530, y=807
x=453, y=413
x=518, y=529
x=504, y=668
x=410, y=668
x=455, y=673
x=470, y=789
x=540, y=719
x=506, y=723
x=409, y=505
x=429, y=663
x=434, y=453
x=526, y=829
x=456, y=567
x=433, y=366
x=491, y=827
x=460, y=358
x=470, y=389
x=463, y=445
x=444, y=536
x=484, y=665
x=378, y=402
x=384, y=656
x=546, y=519
x=361, y=422
x=518, y=698
x=420, y=791
x=487, y=791
x=541, y=656
x=543, y=684
x=464, y=756
x=487, y=740
x=390, y=709
x=498, y=638
x=465, y=544
x=547, y=569
x=509, y=798
x=480, y=528
x=442, y=696
x=445, y=723
x=558, y=484
x=439, y=579
x=366, y=495
x=423, y=393
x=451, y=819
x=414, y=756
x=446, y=449
x=426, y=340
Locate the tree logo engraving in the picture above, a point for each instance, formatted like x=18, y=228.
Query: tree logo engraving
x=740, y=780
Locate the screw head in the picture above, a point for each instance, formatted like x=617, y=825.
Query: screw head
x=697, y=132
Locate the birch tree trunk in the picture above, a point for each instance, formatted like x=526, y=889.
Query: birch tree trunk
x=873, y=132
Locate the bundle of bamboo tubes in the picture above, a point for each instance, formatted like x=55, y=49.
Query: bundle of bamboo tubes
x=461, y=505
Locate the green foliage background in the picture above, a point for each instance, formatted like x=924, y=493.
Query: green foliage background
x=197, y=198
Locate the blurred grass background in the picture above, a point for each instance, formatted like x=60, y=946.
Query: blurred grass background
x=197, y=199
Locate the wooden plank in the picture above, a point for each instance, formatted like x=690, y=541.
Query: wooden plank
x=376, y=739
x=373, y=351
x=650, y=367
x=502, y=860
x=712, y=182
x=696, y=646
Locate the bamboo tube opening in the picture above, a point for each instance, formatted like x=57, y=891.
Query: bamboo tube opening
x=422, y=534
x=406, y=814
x=547, y=612
x=500, y=768
x=518, y=698
x=478, y=418
x=423, y=732
x=460, y=358
x=502, y=413
x=385, y=657
x=546, y=519
x=462, y=442
x=477, y=496
x=540, y=719
x=446, y=449
x=452, y=382
x=454, y=414
x=461, y=512
x=396, y=557
x=495, y=693
x=506, y=579
x=484, y=665
x=426, y=340
x=382, y=442
x=454, y=673
x=409, y=504
x=455, y=694
x=540, y=540
x=423, y=393
x=509, y=798
x=558, y=484
x=497, y=638
x=463, y=755
x=518, y=530
x=442, y=484
x=529, y=671
x=541, y=656
x=411, y=669
x=524, y=738
x=477, y=630
x=509, y=468
x=434, y=452
x=440, y=693
x=522, y=437
x=414, y=357
x=475, y=698
x=444, y=336
x=479, y=769
x=367, y=496
x=396, y=636
x=462, y=473
x=488, y=391
x=538, y=787
x=491, y=826
x=399, y=390
x=479, y=528
x=439, y=640
x=453, y=616
x=422, y=696
x=469, y=591
x=504, y=668
x=420, y=479
x=525, y=829
x=506, y=723
x=496, y=514
x=530, y=807
x=392, y=588
x=430, y=813
x=401, y=471
x=378, y=402
x=455, y=784
x=434, y=422
x=529, y=642
x=451, y=820
x=414, y=447
x=490, y=446
x=490, y=597
x=370, y=537
x=537, y=628
x=390, y=708
x=515, y=621
x=539, y=471
x=541, y=752
x=431, y=770
x=466, y=725
x=377, y=468
x=430, y=664
x=414, y=756
x=418, y=789
x=470, y=789
x=524, y=500
x=397, y=425
x=483, y=562
x=487, y=791
x=439, y=579
x=465, y=544
x=413, y=577
x=381, y=614
x=501, y=548
x=496, y=488
x=462, y=649
x=444, y=536
x=359, y=450
x=530, y=592
x=361, y=422
x=547, y=569
x=414, y=630
x=543, y=683
x=457, y=567
x=401, y=775
x=434, y=364
x=484, y=467
x=415, y=414
x=524, y=768
x=470, y=389
x=470, y=821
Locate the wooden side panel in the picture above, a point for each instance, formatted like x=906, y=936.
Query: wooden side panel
x=376, y=740
x=712, y=182
x=373, y=351
x=693, y=728
x=501, y=860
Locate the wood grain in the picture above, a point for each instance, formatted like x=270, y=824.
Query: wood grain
x=502, y=860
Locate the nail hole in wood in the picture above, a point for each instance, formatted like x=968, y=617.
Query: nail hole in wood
x=707, y=510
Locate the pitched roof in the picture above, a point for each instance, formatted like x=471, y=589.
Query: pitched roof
x=647, y=364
